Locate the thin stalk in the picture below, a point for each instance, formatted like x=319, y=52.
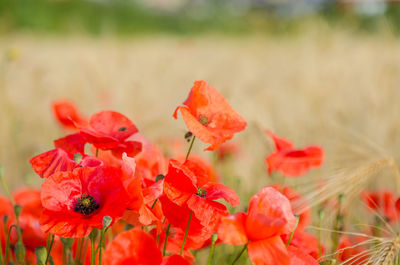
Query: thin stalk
x=8, y=242
x=240, y=254
x=166, y=240
x=92, y=251
x=97, y=152
x=79, y=246
x=187, y=231
x=190, y=148
x=102, y=233
x=291, y=234
x=214, y=238
x=49, y=248
x=154, y=203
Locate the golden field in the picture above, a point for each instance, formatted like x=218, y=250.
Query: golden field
x=334, y=88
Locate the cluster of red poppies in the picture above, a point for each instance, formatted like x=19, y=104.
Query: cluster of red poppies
x=111, y=196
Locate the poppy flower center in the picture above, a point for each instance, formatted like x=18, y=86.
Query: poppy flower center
x=86, y=204
x=122, y=129
x=204, y=120
x=201, y=192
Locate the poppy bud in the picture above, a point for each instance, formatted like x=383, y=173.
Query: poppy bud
x=17, y=210
x=20, y=252
x=41, y=255
x=188, y=135
x=77, y=157
x=67, y=242
x=5, y=219
x=214, y=238
x=106, y=221
x=160, y=177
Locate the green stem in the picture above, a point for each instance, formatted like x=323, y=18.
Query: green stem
x=8, y=242
x=79, y=246
x=190, y=148
x=49, y=248
x=187, y=231
x=102, y=234
x=240, y=254
x=212, y=248
x=92, y=251
x=154, y=203
x=166, y=240
x=291, y=234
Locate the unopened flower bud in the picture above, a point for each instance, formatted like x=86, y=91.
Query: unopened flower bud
x=94, y=233
x=20, y=252
x=214, y=238
x=41, y=255
x=106, y=221
x=17, y=210
x=67, y=242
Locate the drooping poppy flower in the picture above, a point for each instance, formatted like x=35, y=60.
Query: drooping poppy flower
x=298, y=203
x=352, y=249
x=292, y=162
x=109, y=130
x=181, y=187
x=269, y=216
x=67, y=114
x=76, y=201
x=209, y=116
x=382, y=202
x=132, y=247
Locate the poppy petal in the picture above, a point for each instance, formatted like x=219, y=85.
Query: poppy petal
x=299, y=257
x=219, y=191
x=52, y=161
x=231, y=229
x=268, y=251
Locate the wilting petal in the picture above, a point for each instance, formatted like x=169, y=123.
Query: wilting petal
x=269, y=251
x=231, y=229
x=179, y=183
x=72, y=144
x=219, y=191
x=52, y=161
x=208, y=212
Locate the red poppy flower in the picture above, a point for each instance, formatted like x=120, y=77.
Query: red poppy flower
x=209, y=116
x=201, y=168
x=269, y=216
x=67, y=114
x=292, y=162
x=175, y=260
x=133, y=247
x=72, y=144
x=352, y=250
x=109, y=130
x=181, y=187
x=383, y=202
x=297, y=202
x=76, y=201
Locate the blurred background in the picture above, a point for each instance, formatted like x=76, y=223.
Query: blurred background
x=315, y=71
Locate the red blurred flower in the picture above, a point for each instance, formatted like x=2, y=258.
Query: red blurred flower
x=227, y=149
x=352, y=250
x=67, y=114
x=76, y=201
x=181, y=186
x=383, y=202
x=292, y=162
x=209, y=116
x=110, y=130
x=137, y=247
x=269, y=216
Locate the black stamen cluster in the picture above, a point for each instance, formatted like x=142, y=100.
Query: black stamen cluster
x=86, y=204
